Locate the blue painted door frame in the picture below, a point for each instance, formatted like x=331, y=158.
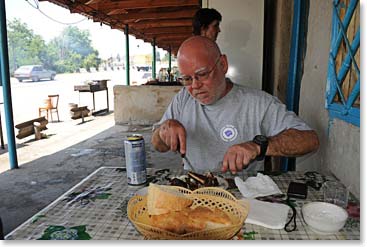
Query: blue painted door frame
x=295, y=71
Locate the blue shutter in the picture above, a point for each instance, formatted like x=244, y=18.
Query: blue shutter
x=341, y=103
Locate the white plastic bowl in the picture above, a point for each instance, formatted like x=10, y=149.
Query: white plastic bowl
x=324, y=218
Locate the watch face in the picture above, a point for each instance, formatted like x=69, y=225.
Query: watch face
x=261, y=138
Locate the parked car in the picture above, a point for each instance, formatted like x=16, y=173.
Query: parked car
x=147, y=76
x=34, y=73
x=144, y=68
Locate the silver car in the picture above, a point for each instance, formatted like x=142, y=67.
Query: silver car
x=34, y=73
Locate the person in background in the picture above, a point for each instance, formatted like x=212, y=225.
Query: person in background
x=223, y=126
x=206, y=23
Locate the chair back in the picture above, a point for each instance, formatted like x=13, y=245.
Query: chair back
x=54, y=99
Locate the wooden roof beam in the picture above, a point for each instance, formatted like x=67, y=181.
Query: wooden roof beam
x=162, y=23
x=155, y=14
x=108, y=5
x=163, y=40
x=167, y=30
x=169, y=36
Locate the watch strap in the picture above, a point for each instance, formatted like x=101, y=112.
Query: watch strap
x=262, y=141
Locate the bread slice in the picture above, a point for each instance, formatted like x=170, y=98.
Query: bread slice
x=213, y=218
x=191, y=220
x=178, y=222
x=162, y=199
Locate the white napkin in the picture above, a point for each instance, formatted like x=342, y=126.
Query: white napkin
x=266, y=214
x=261, y=185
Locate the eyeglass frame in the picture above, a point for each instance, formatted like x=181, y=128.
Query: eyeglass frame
x=203, y=76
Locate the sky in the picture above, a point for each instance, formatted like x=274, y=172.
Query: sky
x=109, y=42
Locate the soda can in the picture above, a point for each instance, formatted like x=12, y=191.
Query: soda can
x=135, y=160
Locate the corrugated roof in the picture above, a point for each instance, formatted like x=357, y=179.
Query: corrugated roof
x=168, y=21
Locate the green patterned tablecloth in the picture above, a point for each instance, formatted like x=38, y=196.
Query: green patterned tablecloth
x=102, y=214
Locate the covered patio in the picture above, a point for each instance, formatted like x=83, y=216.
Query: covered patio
x=166, y=24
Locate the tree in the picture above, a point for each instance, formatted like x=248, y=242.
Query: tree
x=21, y=48
x=68, y=52
x=91, y=61
x=77, y=41
x=75, y=50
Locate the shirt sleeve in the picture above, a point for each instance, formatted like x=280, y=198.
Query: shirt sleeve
x=277, y=119
x=173, y=110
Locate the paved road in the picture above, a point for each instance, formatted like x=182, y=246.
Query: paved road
x=27, y=96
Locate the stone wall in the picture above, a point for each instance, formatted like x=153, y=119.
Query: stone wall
x=141, y=105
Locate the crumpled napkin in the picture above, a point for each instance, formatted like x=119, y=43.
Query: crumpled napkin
x=266, y=214
x=261, y=185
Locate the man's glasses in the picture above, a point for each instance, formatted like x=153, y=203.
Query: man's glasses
x=200, y=76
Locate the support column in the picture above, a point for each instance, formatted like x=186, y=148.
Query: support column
x=154, y=61
x=5, y=79
x=127, y=52
x=169, y=64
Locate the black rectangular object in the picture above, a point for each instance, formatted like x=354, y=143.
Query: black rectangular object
x=297, y=190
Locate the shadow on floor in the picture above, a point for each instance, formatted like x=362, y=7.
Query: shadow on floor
x=3, y=151
x=27, y=190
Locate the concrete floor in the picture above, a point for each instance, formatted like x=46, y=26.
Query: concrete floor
x=49, y=167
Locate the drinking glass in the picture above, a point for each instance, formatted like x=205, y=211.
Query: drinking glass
x=336, y=193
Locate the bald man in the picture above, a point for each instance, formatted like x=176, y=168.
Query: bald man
x=222, y=126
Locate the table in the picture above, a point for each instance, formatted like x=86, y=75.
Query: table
x=100, y=85
x=105, y=216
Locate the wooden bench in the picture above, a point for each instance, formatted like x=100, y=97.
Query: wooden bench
x=28, y=128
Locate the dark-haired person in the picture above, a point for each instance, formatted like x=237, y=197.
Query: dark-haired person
x=206, y=23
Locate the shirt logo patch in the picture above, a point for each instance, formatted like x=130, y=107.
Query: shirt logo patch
x=228, y=133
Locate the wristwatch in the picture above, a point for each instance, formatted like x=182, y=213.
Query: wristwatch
x=263, y=142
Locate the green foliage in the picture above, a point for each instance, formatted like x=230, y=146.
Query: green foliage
x=90, y=61
x=19, y=44
x=68, y=52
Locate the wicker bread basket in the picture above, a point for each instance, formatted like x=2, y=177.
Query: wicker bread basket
x=209, y=197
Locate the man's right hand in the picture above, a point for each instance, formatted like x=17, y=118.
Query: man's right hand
x=173, y=135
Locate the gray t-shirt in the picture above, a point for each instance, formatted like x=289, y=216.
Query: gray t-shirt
x=235, y=118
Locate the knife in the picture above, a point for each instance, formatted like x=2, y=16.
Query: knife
x=188, y=162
